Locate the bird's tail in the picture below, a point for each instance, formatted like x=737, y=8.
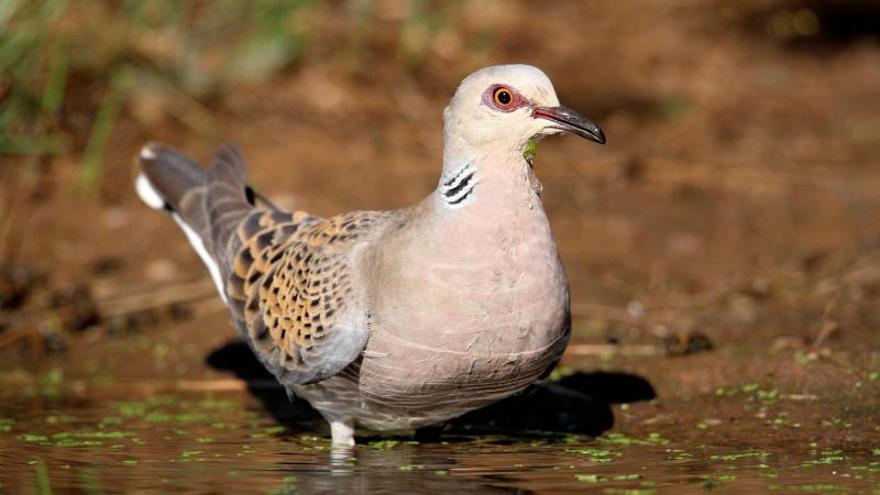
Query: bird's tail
x=208, y=204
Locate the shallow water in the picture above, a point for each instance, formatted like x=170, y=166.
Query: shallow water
x=209, y=442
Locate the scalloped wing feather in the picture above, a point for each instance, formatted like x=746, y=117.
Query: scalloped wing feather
x=292, y=292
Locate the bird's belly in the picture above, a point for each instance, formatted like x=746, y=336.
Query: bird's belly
x=417, y=376
x=480, y=352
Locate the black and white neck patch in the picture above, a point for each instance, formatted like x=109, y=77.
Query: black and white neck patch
x=457, y=186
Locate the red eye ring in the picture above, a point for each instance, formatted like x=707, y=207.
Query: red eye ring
x=503, y=97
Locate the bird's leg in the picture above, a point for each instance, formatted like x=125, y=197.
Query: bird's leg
x=342, y=430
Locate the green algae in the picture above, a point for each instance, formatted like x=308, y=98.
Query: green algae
x=33, y=438
x=596, y=478
x=621, y=439
x=411, y=467
x=62, y=418
x=530, y=150
x=269, y=432
x=100, y=435
x=288, y=485
x=827, y=457
x=736, y=457
x=383, y=444
x=191, y=417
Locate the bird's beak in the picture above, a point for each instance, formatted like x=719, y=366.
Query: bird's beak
x=566, y=119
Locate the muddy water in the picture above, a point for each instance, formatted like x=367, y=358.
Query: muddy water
x=131, y=439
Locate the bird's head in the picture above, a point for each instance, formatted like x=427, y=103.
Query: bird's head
x=509, y=106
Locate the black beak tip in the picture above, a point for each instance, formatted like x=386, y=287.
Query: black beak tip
x=568, y=120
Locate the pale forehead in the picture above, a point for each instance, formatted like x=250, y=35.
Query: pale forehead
x=528, y=80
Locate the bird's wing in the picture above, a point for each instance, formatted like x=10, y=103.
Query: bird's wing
x=287, y=277
x=292, y=291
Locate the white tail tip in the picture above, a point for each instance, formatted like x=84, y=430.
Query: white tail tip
x=148, y=152
x=147, y=192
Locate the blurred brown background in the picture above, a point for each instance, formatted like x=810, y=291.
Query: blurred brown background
x=735, y=206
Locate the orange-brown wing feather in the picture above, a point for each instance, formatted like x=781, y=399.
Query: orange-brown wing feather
x=291, y=290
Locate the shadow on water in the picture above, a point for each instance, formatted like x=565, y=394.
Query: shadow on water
x=579, y=403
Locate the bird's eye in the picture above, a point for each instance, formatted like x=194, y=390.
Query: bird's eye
x=503, y=97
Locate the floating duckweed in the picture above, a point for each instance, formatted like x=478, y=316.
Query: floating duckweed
x=175, y=418
x=595, y=478
x=53, y=419
x=873, y=467
x=102, y=435
x=827, y=457
x=591, y=452
x=6, y=424
x=383, y=444
x=219, y=425
x=410, y=467
x=735, y=457
x=109, y=421
x=768, y=395
x=621, y=439
x=129, y=462
x=33, y=438
x=561, y=371
x=571, y=438
x=267, y=432
x=287, y=486
x=681, y=455
x=441, y=472
x=596, y=455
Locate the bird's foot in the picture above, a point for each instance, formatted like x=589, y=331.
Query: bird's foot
x=342, y=431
